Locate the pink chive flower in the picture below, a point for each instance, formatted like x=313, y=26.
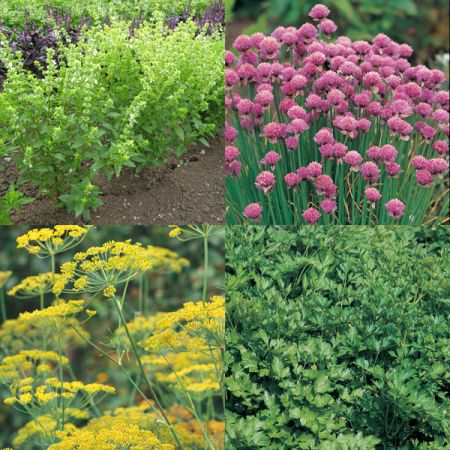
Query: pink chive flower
x=393, y=169
x=265, y=181
x=419, y=162
x=323, y=183
x=264, y=98
x=354, y=160
x=291, y=142
x=243, y=43
x=399, y=126
x=388, y=153
x=324, y=136
x=245, y=107
x=372, y=194
x=292, y=180
x=424, y=177
x=328, y=206
x=303, y=173
x=395, y=208
x=314, y=170
x=253, y=211
x=231, y=153
x=231, y=79
x=364, y=125
x=298, y=126
x=311, y=216
x=327, y=150
x=370, y=172
x=437, y=166
x=374, y=153
x=233, y=168
x=319, y=12
x=441, y=147
x=230, y=134
x=230, y=58
x=269, y=48
x=327, y=27
x=274, y=131
x=271, y=159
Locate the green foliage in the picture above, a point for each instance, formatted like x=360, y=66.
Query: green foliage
x=337, y=337
x=14, y=11
x=421, y=24
x=113, y=101
x=10, y=202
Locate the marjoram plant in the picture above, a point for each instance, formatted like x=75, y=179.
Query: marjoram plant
x=333, y=132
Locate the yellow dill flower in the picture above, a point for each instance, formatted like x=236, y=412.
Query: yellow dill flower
x=35, y=285
x=51, y=241
x=24, y=364
x=4, y=277
x=19, y=334
x=56, y=315
x=175, y=232
x=119, y=435
x=101, y=268
x=109, y=291
x=37, y=432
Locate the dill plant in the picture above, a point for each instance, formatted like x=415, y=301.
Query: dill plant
x=171, y=360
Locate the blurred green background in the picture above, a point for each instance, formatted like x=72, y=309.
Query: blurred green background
x=165, y=292
x=422, y=24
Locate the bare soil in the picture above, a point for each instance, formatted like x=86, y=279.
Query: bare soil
x=187, y=191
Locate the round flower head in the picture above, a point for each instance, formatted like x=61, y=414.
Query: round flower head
x=231, y=153
x=230, y=134
x=323, y=183
x=328, y=206
x=327, y=27
x=230, y=58
x=372, y=194
x=395, y=208
x=291, y=142
x=243, y=43
x=370, y=172
x=393, y=169
x=311, y=216
x=253, y=212
x=271, y=158
x=265, y=181
x=388, y=153
x=314, y=169
x=319, y=12
x=264, y=98
x=353, y=159
x=233, y=168
x=437, y=166
x=269, y=48
x=323, y=136
x=419, y=162
x=292, y=180
x=424, y=177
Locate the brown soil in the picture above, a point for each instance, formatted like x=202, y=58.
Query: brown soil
x=190, y=191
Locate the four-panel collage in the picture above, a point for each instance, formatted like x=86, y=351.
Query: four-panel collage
x=224, y=225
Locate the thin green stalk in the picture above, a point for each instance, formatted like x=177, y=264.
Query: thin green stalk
x=41, y=300
x=205, y=267
x=52, y=257
x=2, y=305
x=144, y=375
x=61, y=380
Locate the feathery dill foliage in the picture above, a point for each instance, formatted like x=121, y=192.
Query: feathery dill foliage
x=333, y=132
x=168, y=366
x=337, y=337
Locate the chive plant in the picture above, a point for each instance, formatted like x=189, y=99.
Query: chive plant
x=333, y=131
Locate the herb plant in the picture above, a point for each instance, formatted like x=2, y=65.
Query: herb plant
x=166, y=366
x=343, y=132
x=114, y=99
x=337, y=337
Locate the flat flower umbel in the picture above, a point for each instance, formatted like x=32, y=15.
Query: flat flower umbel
x=301, y=106
x=112, y=264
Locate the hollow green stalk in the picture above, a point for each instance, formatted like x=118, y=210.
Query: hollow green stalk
x=2, y=305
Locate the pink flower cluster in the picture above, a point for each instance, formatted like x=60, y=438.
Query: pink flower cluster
x=368, y=94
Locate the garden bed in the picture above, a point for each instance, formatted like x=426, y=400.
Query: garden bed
x=190, y=190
